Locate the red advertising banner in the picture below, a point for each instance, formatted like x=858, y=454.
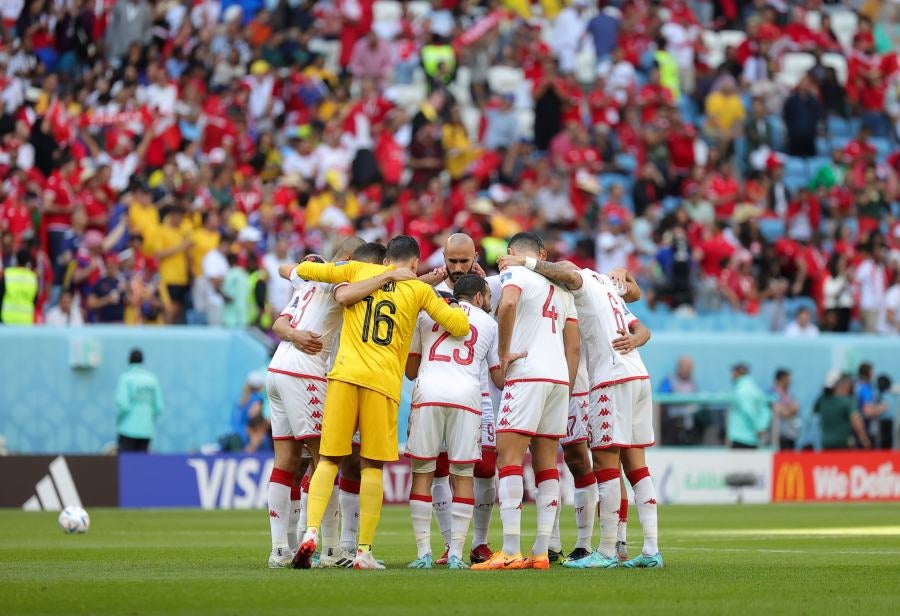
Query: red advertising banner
x=836, y=476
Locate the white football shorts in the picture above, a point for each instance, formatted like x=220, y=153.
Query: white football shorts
x=534, y=408
x=622, y=415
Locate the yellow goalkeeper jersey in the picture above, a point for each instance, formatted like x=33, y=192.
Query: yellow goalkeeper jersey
x=378, y=330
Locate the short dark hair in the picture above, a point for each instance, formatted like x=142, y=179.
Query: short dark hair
x=370, y=252
x=865, y=370
x=136, y=356
x=781, y=373
x=468, y=286
x=527, y=240
x=23, y=257
x=402, y=248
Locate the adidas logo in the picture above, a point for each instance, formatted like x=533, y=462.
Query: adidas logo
x=273, y=514
x=315, y=400
x=311, y=387
x=54, y=491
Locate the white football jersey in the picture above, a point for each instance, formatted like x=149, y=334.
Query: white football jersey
x=450, y=373
x=541, y=314
x=582, y=379
x=603, y=314
x=312, y=308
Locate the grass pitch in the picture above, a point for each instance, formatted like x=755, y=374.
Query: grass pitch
x=788, y=559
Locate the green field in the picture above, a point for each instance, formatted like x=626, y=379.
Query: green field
x=797, y=559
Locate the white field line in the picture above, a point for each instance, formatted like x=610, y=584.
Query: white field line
x=832, y=531
x=860, y=552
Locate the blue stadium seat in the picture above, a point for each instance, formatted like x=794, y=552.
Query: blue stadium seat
x=840, y=127
x=771, y=228
x=882, y=147
x=823, y=148
x=627, y=162
x=795, y=182
x=794, y=165
x=779, y=133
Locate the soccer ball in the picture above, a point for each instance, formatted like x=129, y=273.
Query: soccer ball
x=74, y=520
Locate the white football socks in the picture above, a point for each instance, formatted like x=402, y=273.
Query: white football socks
x=279, y=498
x=293, y=519
x=511, y=492
x=586, y=497
x=485, y=495
x=547, y=503
x=610, y=494
x=645, y=500
x=330, y=521
x=441, y=497
x=420, y=512
x=461, y=512
x=348, y=497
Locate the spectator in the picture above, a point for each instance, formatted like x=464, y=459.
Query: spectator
x=837, y=295
x=802, y=325
x=129, y=23
x=871, y=279
x=139, y=404
x=259, y=438
x=372, y=58
x=236, y=294
x=569, y=30
x=502, y=128
x=869, y=403
x=603, y=29
x=18, y=291
x=802, y=114
x=278, y=290
x=208, y=295
x=881, y=426
x=65, y=313
x=170, y=245
x=678, y=426
x=724, y=112
x=892, y=301
x=785, y=409
x=839, y=418
x=750, y=414
x=247, y=410
x=108, y=296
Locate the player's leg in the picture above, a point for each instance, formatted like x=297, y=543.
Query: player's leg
x=378, y=444
x=546, y=480
x=622, y=528
x=420, y=511
x=645, y=500
x=578, y=459
x=485, y=493
x=441, y=497
x=606, y=465
x=297, y=501
x=511, y=447
x=462, y=434
x=281, y=480
x=341, y=412
x=638, y=474
x=328, y=531
x=349, y=500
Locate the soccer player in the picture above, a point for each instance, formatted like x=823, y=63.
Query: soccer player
x=446, y=410
x=460, y=259
x=621, y=417
x=295, y=384
x=536, y=317
x=364, y=384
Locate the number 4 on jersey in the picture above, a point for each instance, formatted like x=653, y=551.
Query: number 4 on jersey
x=550, y=310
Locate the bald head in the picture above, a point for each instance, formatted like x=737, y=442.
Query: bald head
x=347, y=247
x=459, y=256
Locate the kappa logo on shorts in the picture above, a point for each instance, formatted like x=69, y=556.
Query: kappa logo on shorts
x=584, y=404
x=315, y=400
x=317, y=427
x=604, y=425
x=605, y=439
x=604, y=398
x=604, y=412
x=504, y=422
x=312, y=387
x=316, y=415
x=508, y=396
x=506, y=409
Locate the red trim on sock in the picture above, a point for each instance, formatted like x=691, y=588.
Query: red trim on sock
x=638, y=474
x=349, y=485
x=304, y=484
x=282, y=476
x=442, y=465
x=464, y=501
x=606, y=474
x=546, y=475
x=295, y=493
x=420, y=497
x=585, y=480
x=623, y=510
x=506, y=471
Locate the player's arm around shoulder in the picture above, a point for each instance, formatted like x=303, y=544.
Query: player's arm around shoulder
x=571, y=339
x=414, y=359
x=563, y=273
x=341, y=271
x=349, y=294
x=624, y=280
x=454, y=320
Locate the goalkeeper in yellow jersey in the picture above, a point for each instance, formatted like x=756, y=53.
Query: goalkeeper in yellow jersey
x=380, y=314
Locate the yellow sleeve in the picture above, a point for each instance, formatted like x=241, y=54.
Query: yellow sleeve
x=342, y=271
x=454, y=320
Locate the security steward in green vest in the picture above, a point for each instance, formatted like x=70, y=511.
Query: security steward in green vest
x=18, y=290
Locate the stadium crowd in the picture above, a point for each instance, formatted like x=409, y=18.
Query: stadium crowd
x=160, y=159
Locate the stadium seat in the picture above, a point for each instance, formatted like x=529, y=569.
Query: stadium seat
x=586, y=65
x=779, y=132
x=461, y=86
x=794, y=165
x=794, y=67
x=838, y=63
x=731, y=38
x=525, y=122
x=505, y=79
x=626, y=161
x=882, y=147
x=406, y=97
x=843, y=23
x=813, y=20
x=471, y=118
x=387, y=10
x=823, y=148
x=418, y=8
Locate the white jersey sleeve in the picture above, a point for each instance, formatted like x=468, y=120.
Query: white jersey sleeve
x=312, y=307
x=540, y=317
x=451, y=367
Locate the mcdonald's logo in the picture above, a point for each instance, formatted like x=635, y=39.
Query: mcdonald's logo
x=790, y=483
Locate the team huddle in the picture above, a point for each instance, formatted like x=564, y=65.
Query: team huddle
x=542, y=355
